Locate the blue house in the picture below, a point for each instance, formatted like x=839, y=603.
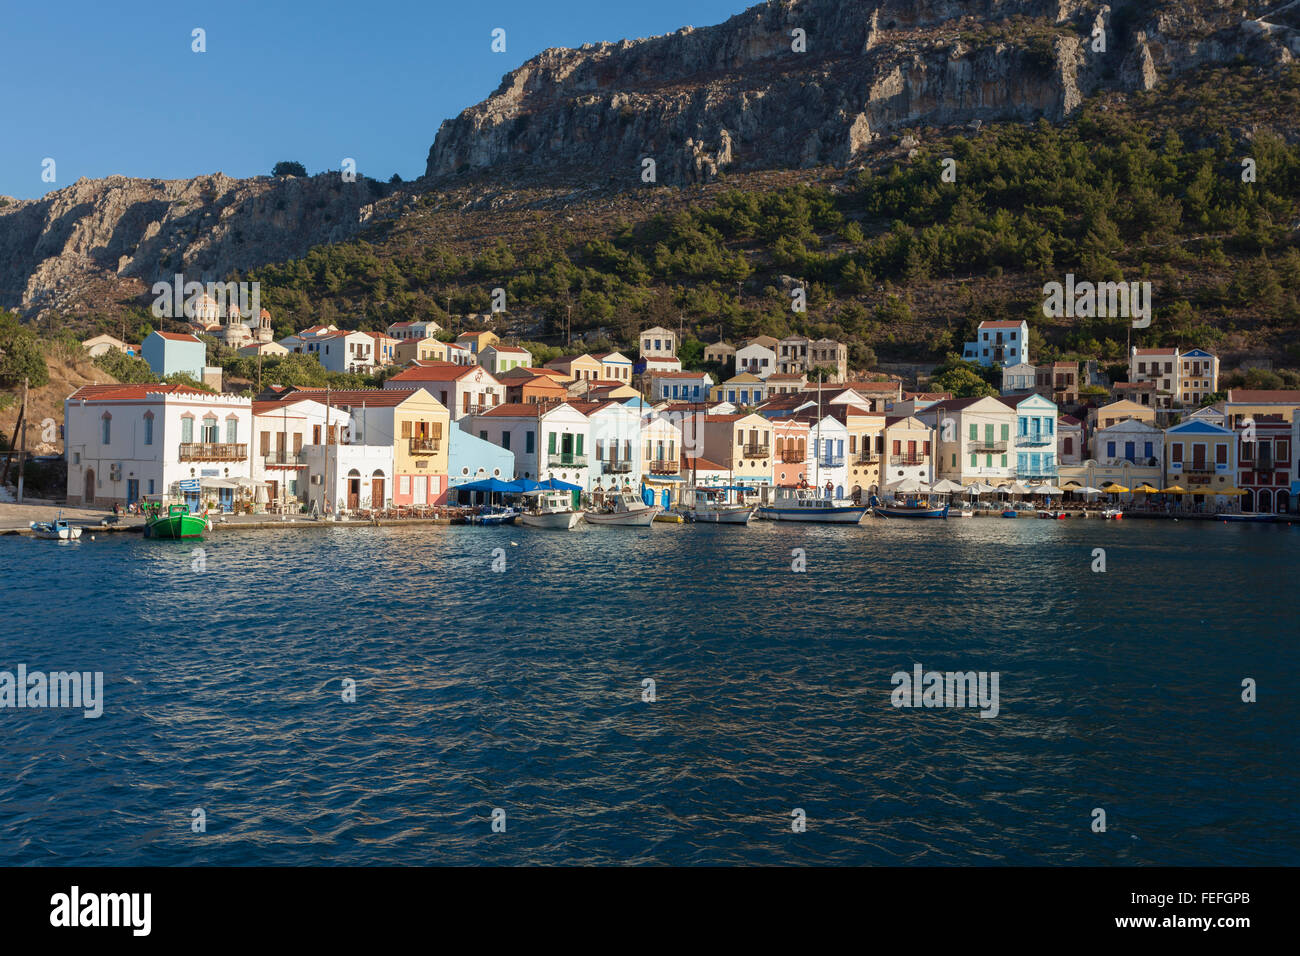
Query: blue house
x=1034, y=440
x=470, y=458
x=170, y=352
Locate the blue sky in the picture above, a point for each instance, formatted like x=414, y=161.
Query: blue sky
x=104, y=88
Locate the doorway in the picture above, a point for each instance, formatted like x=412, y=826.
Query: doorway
x=89, y=497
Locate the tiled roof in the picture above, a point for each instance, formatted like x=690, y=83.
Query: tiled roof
x=1000, y=325
x=130, y=393
x=178, y=337
x=1266, y=396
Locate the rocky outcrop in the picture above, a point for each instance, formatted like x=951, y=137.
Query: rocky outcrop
x=811, y=82
x=124, y=234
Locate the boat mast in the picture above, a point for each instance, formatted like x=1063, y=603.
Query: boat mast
x=817, y=441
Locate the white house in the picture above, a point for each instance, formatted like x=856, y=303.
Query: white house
x=413, y=330
x=347, y=477
x=549, y=441
x=502, y=358
x=307, y=341
x=1132, y=440
x=281, y=430
x=827, y=463
x=756, y=359
x=999, y=343
x=615, y=446
x=348, y=352
x=126, y=441
x=1018, y=378
x=658, y=342
x=680, y=386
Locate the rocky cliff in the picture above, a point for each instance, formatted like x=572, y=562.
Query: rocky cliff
x=114, y=237
x=812, y=82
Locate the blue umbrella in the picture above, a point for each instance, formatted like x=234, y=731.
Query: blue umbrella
x=491, y=485
x=554, y=484
x=527, y=484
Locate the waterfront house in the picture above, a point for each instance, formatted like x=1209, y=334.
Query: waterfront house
x=1018, y=378
x=123, y=442
x=999, y=343
x=828, y=441
x=548, y=440
x=703, y=471
x=741, y=443
x=1133, y=441
x=347, y=477
x=463, y=389
x=470, y=458
x=756, y=359
x=680, y=386
x=908, y=450
x=476, y=342
x=615, y=443
x=745, y=389
x=499, y=359
x=414, y=424
x=281, y=429
x=1199, y=455
x=661, y=465
x=791, y=460
x=170, y=353
x=1033, y=444
x=972, y=440
x=1264, y=464
x=658, y=342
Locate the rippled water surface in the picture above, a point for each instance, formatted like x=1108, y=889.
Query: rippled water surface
x=523, y=690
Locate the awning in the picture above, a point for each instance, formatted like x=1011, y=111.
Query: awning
x=491, y=485
x=1048, y=490
x=1115, y=489
x=1146, y=489
x=944, y=486
x=1174, y=490
x=216, y=483
x=1016, y=488
x=909, y=486
x=1088, y=490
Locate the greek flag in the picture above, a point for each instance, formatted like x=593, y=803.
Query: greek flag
x=189, y=484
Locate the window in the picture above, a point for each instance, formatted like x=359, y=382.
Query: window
x=148, y=428
x=505, y=440
x=1148, y=450
x=1006, y=432
x=210, y=430
x=106, y=424
x=529, y=441
x=232, y=430
x=974, y=431
x=187, y=430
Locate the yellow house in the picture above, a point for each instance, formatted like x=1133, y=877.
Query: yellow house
x=741, y=443
x=1200, y=455
x=418, y=427
x=1260, y=404
x=477, y=341
x=421, y=350
x=1120, y=411
x=578, y=367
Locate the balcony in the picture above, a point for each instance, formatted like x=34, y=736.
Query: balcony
x=792, y=457
x=917, y=459
x=987, y=448
x=867, y=458
x=283, y=459
x=756, y=451
x=662, y=466
x=616, y=467
x=830, y=461
x=424, y=446
x=212, y=451
x=566, y=460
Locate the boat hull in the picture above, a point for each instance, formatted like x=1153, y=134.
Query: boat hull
x=488, y=520
x=885, y=511
x=48, y=533
x=639, y=518
x=834, y=515
x=730, y=516
x=174, y=527
x=552, y=521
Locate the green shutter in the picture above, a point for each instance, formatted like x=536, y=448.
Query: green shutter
x=988, y=434
x=578, y=449
x=988, y=461
x=550, y=443
x=1004, y=461
x=974, y=431
x=1006, y=432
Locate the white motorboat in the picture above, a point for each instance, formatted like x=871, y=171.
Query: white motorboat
x=714, y=506
x=56, y=530
x=552, y=510
x=623, y=509
x=809, y=504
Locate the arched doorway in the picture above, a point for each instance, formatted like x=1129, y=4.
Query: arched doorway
x=354, y=490
x=89, y=497
x=1265, y=501
x=1248, y=501
x=1283, y=502
x=377, y=489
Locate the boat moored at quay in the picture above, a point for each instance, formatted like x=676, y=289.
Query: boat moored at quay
x=808, y=504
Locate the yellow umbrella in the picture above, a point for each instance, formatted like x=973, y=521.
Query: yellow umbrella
x=1115, y=489
x=1234, y=492
x=1174, y=490
x=1146, y=489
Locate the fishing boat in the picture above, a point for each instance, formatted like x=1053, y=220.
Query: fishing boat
x=56, y=530
x=809, y=504
x=1113, y=514
x=177, y=521
x=623, y=509
x=913, y=508
x=490, y=515
x=1052, y=513
x=552, y=510
x=715, y=505
x=1249, y=516
x=1010, y=513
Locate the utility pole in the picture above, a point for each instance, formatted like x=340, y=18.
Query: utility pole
x=22, y=440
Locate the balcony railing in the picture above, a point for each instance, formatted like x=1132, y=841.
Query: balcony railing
x=792, y=457
x=867, y=458
x=917, y=459
x=424, y=446
x=616, y=467
x=662, y=466
x=756, y=451
x=212, y=451
x=283, y=459
x=988, y=447
x=566, y=460
x=830, y=461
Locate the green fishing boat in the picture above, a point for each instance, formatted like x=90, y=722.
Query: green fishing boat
x=176, y=521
